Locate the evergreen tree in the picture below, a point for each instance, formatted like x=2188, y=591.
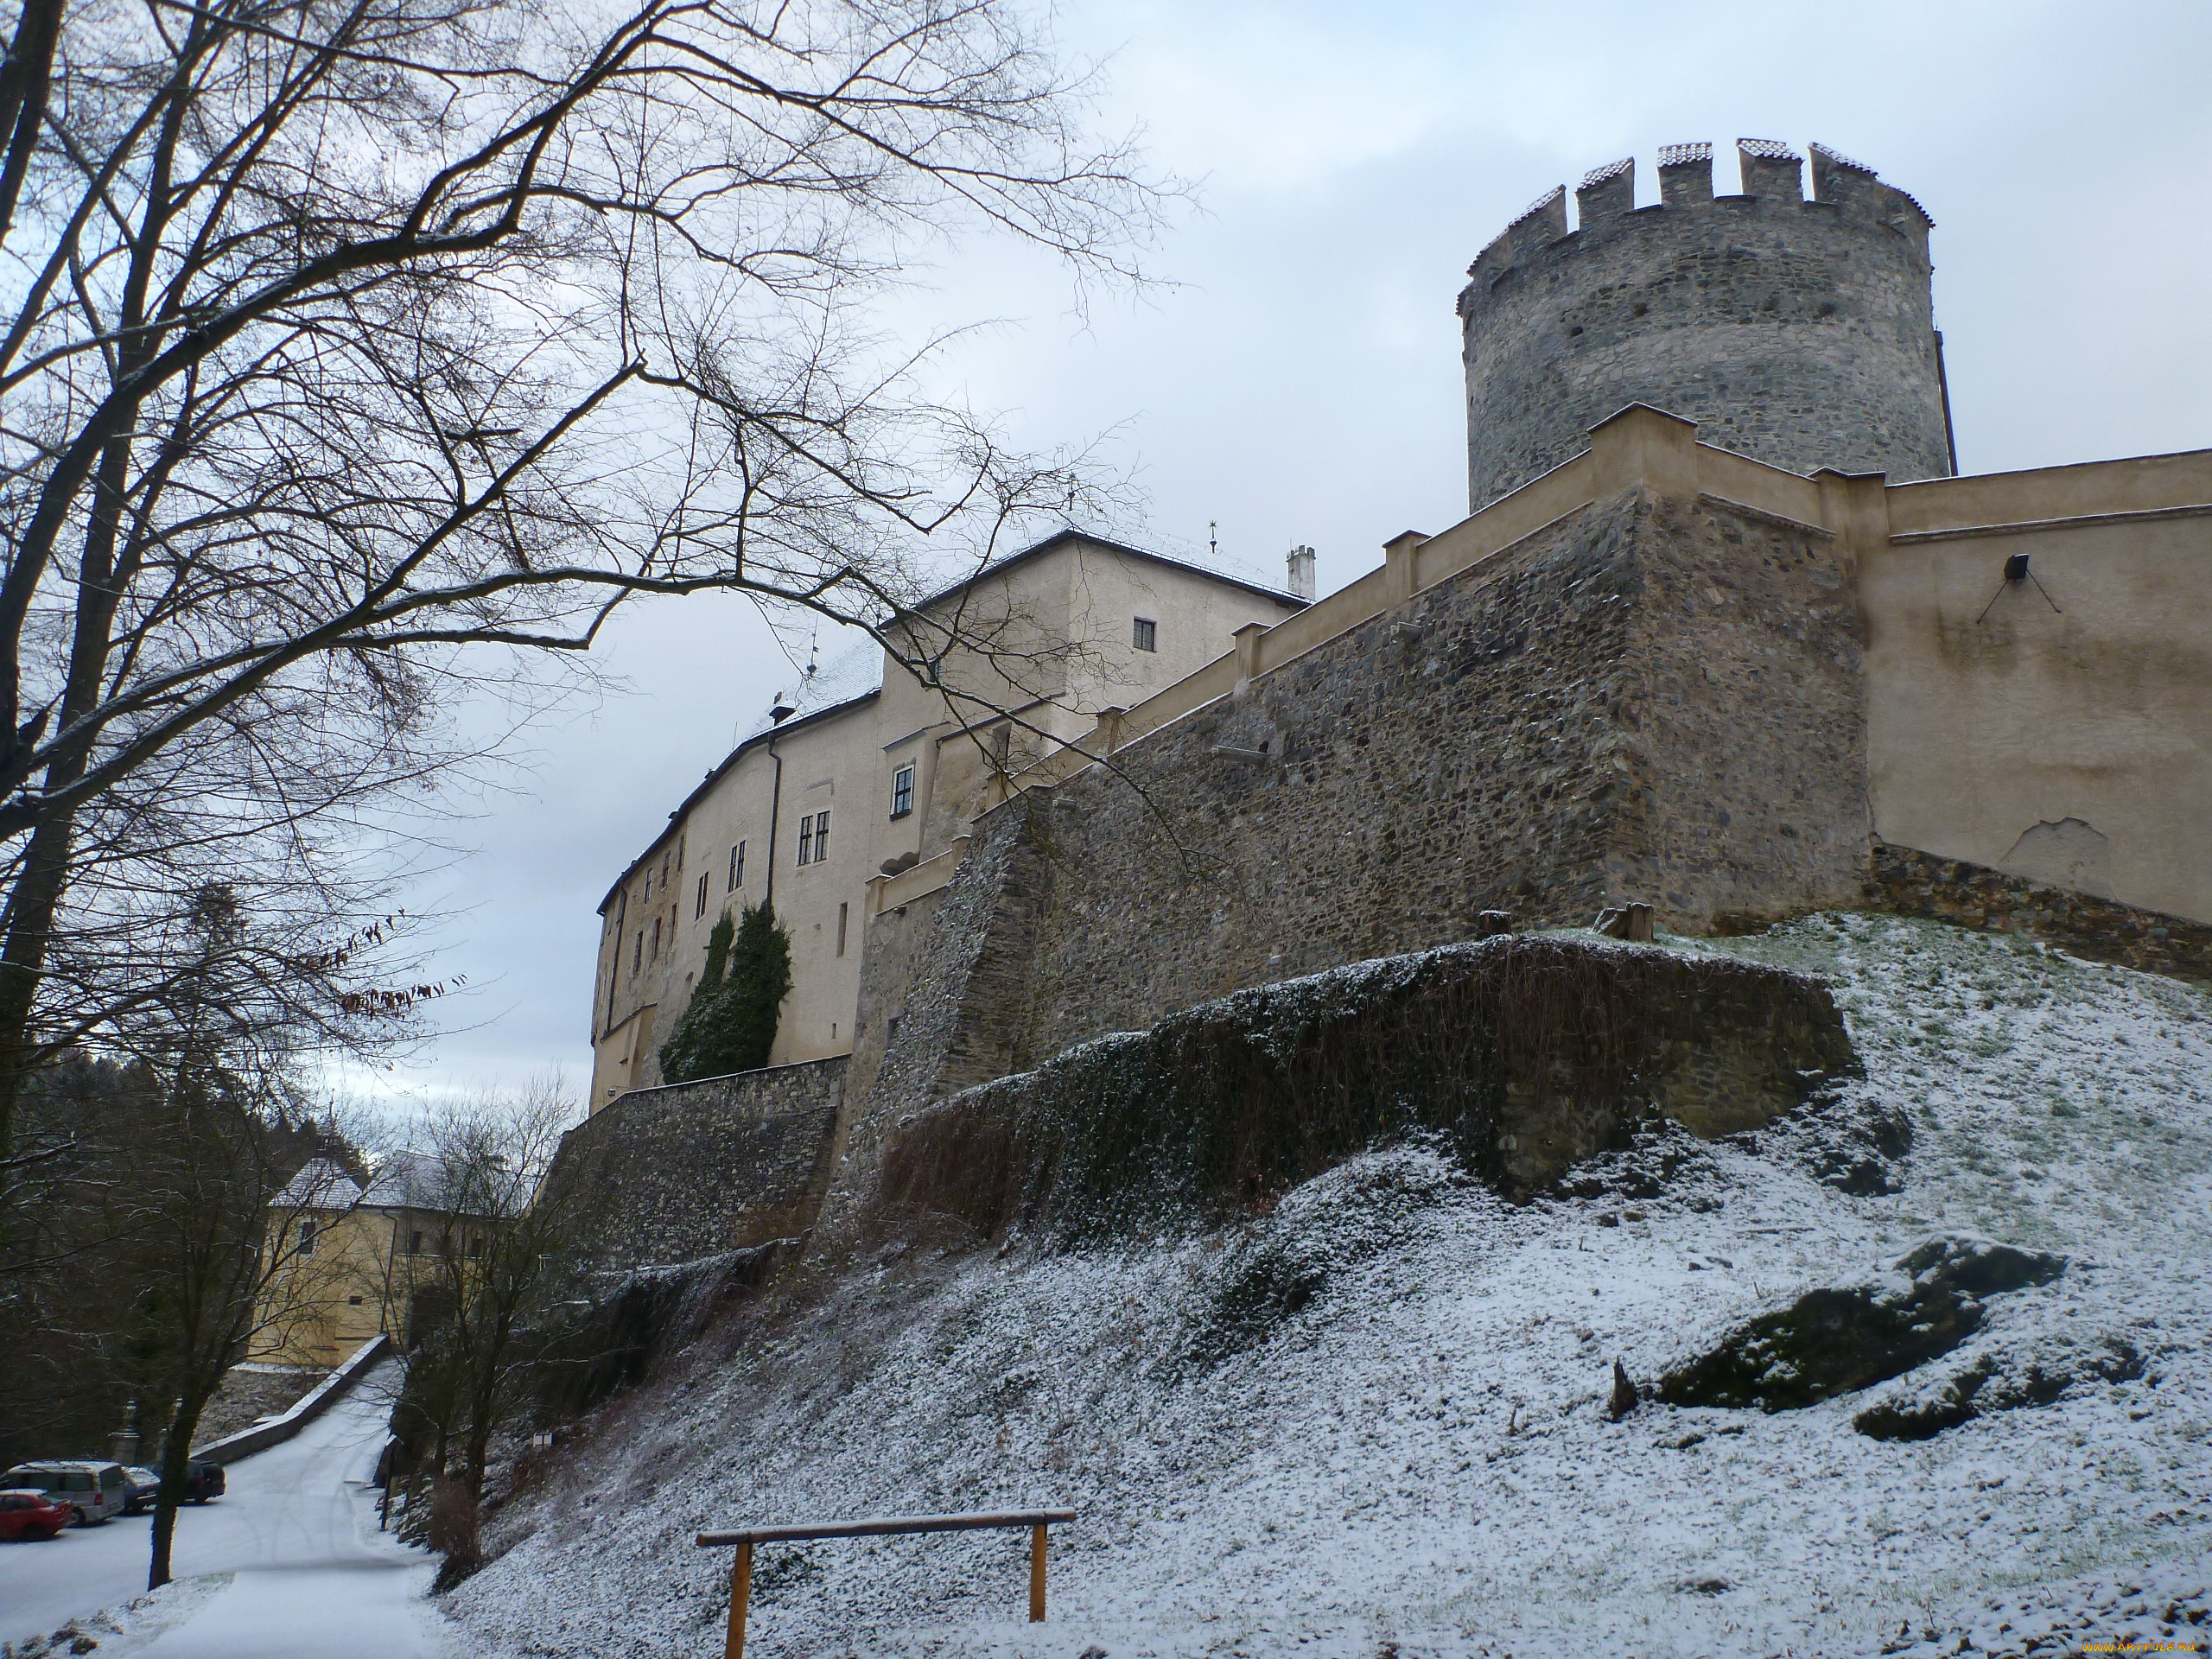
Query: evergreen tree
x=730, y=1025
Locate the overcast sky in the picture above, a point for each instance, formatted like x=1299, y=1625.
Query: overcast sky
x=1301, y=383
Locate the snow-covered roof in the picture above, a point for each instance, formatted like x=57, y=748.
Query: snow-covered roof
x=417, y=1180
x=320, y=1185
x=401, y=1180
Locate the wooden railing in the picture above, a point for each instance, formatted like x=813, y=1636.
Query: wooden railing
x=741, y=1578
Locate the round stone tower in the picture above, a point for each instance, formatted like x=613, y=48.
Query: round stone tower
x=1797, y=332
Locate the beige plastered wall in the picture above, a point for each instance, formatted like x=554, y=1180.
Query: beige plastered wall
x=318, y=1310
x=1061, y=624
x=2059, y=728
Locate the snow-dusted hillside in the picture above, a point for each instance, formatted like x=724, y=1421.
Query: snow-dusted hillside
x=1376, y=1423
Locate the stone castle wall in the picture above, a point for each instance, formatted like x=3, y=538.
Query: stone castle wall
x=1647, y=699
x=1914, y=883
x=1799, y=332
x=692, y=1169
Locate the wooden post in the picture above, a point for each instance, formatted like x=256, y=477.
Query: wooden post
x=741, y=1591
x=1036, y=1575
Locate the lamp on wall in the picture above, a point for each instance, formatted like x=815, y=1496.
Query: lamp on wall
x=2016, y=571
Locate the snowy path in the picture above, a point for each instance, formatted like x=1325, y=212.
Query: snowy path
x=311, y=1576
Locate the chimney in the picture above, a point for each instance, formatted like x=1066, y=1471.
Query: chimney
x=1300, y=561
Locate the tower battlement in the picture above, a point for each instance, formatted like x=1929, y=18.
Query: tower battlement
x=1798, y=329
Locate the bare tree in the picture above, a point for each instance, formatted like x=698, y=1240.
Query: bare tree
x=357, y=353
x=506, y=1244
x=194, y=1220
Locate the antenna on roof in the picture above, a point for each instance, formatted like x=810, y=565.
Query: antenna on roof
x=1213, y=539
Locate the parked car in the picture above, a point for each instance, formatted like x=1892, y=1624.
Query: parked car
x=140, y=1486
x=94, y=1492
x=201, y=1482
x=29, y=1513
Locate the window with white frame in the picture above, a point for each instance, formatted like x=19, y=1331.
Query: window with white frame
x=1145, y=634
x=737, y=867
x=308, y=1230
x=699, y=898
x=902, y=790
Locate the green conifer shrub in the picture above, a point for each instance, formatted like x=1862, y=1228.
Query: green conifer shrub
x=730, y=1025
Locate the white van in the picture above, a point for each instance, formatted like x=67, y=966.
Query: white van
x=96, y=1492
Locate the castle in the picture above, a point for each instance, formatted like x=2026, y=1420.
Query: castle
x=1723, y=634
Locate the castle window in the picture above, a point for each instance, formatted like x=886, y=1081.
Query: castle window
x=415, y=1243
x=307, y=1237
x=638, y=954
x=1145, y=635
x=352, y=1301
x=656, y=952
x=646, y=897
x=842, y=910
x=902, y=791
x=699, y=902
x=813, y=837
x=737, y=867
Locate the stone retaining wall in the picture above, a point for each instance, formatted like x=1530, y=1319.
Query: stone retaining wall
x=693, y=1169
x=1914, y=883
x=1650, y=699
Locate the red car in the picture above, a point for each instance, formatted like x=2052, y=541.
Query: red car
x=26, y=1513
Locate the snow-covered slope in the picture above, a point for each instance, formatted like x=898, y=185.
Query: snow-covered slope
x=1376, y=1423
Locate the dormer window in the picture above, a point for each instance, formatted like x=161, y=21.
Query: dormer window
x=1145, y=634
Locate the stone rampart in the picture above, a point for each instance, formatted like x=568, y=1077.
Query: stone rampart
x=1526, y=1055
x=1654, y=696
x=1801, y=333
x=693, y=1169
x=1914, y=883
x=1650, y=700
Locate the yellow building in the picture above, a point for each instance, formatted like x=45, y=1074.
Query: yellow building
x=352, y=1261
x=1028, y=653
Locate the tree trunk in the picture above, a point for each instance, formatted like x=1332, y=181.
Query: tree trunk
x=177, y=1461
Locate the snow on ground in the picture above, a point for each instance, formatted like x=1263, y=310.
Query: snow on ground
x=1375, y=1424
x=288, y=1564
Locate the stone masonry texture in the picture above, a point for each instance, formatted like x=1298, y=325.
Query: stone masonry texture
x=943, y=996
x=693, y=1169
x=1646, y=700
x=1799, y=332
x=1914, y=883
x=1527, y=1054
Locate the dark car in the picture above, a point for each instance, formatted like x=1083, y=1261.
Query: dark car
x=27, y=1513
x=201, y=1482
x=140, y=1484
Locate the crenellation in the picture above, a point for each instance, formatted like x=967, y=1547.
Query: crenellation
x=1607, y=191
x=1772, y=171
x=1685, y=175
x=1799, y=332
x=1542, y=224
